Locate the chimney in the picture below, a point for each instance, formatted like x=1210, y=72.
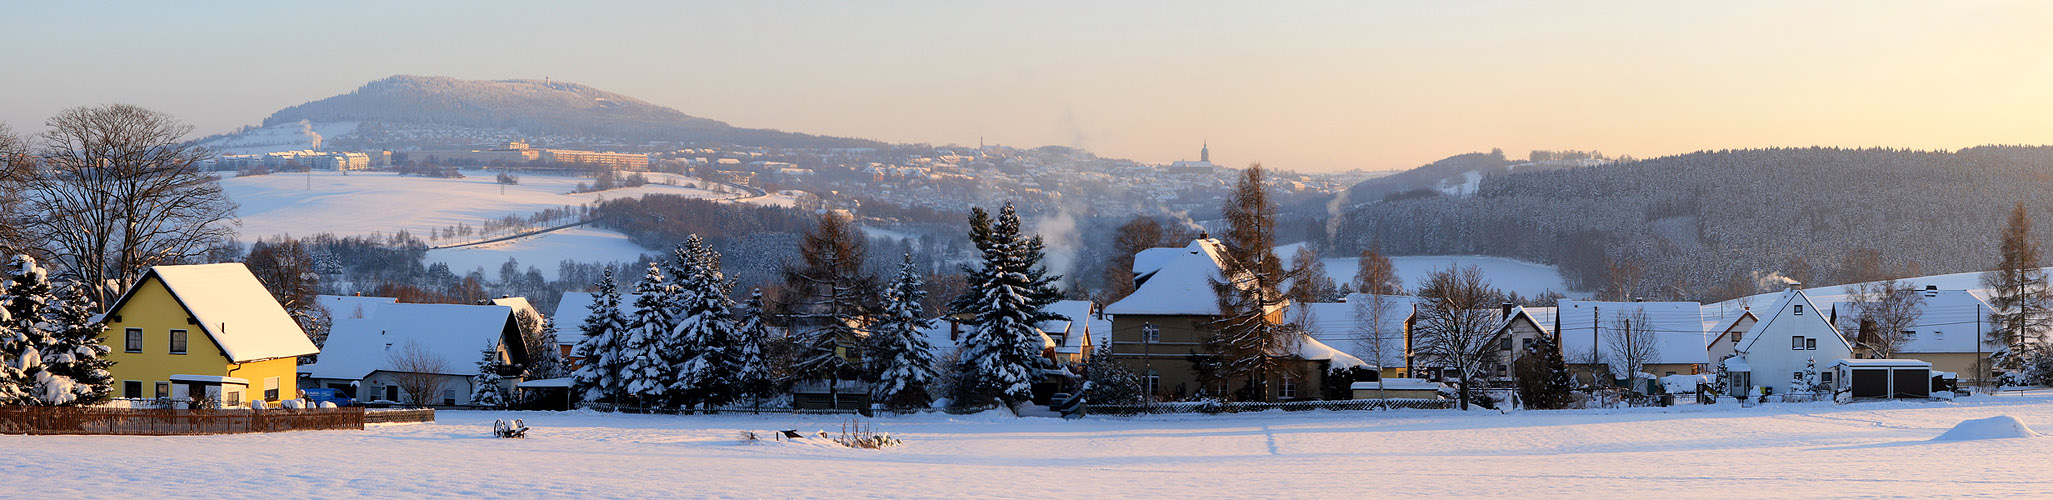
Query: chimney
x=1204, y=235
x=1507, y=309
x=1639, y=299
x=1794, y=286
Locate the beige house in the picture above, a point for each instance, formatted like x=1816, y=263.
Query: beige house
x=1951, y=332
x=1159, y=331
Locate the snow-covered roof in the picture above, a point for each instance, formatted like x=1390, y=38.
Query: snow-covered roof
x=1150, y=260
x=519, y=304
x=1677, y=327
x=1737, y=364
x=1717, y=330
x=545, y=383
x=234, y=309
x=1343, y=325
x=1400, y=384
x=1948, y=322
x=454, y=332
x=1882, y=363
x=1080, y=326
x=1183, y=285
x=1312, y=349
x=351, y=306
x=574, y=307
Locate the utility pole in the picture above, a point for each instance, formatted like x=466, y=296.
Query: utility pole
x=1596, y=347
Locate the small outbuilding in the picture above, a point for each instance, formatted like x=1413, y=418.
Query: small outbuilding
x=1882, y=378
x=1398, y=388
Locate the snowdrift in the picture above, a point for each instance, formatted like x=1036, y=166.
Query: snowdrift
x=1997, y=427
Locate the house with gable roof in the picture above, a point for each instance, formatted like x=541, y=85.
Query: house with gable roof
x=1160, y=329
x=1791, y=335
x=203, y=331
x=1590, y=342
x=1950, y=331
x=365, y=356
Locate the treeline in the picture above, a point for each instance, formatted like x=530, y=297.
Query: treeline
x=1718, y=224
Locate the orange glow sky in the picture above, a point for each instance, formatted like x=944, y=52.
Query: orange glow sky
x=1297, y=85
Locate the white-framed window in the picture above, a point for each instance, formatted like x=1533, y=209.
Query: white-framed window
x=1151, y=333
x=163, y=390
x=449, y=396
x=1289, y=388
x=1154, y=382
x=178, y=341
x=133, y=340
x=1799, y=309
x=1796, y=342
x=231, y=397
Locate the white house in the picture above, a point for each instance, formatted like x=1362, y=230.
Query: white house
x=365, y=356
x=1791, y=335
x=1676, y=328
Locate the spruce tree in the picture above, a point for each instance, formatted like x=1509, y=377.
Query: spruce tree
x=486, y=391
x=1001, y=354
x=28, y=295
x=902, y=358
x=598, y=376
x=76, y=351
x=706, y=336
x=646, y=375
x=547, y=359
x=752, y=338
x=1543, y=379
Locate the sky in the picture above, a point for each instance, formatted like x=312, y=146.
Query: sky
x=1310, y=86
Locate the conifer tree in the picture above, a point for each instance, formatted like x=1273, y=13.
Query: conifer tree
x=76, y=351
x=547, y=359
x=706, y=334
x=1543, y=378
x=2021, y=296
x=902, y=357
x=486, y=391
x=1247, y=342
x=1000, y=356
x=646, y=375
x=829, y=301
x=28, y=294
x=752, y=338
x=598, y=376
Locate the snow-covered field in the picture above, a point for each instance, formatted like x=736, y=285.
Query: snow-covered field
x=1511, y=275
x=544, y=251
x=1812, y=450
x=366, y=202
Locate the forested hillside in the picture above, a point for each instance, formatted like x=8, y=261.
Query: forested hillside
x=537, y=108
x=1714, y=224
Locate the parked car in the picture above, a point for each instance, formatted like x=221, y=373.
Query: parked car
x=318, y=396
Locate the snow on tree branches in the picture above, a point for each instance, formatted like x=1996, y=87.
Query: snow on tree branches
x=900, y=354
x=1000, y=355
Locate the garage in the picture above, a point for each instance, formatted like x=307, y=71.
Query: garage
x=1882, y=378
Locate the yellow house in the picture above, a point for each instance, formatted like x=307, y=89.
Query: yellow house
x=205, y=330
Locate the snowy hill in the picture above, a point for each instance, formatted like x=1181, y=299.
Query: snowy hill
x=1511, y=275
x=288, y=136
x=531, y=108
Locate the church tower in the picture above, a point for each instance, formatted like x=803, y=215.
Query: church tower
x=1205, y=152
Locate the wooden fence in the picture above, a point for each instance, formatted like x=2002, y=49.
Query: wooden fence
x=165, y=422
x=1217, y=407
x=406, y=416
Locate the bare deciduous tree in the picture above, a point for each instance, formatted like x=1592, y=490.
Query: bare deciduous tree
x=1458, y=328
x=1375, y=274
x=1632, y=342
x=1371, y=339
x=15, y=165
x=417, y=371
x=118, y=190
x=1883, y=312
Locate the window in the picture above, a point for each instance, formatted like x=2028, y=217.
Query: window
x=1506, y=345
x=1503, y=370
x=1527, y=344
x=1736, y=336
x=1796, y=342
x=178, y=341
x=1289, y=388
x=271, y=388
x=1154, y=383
x=1799, y=309
x=1810, y=344
x=1671, y=374
x=132, y=389
x=1825, y=376
x=1151, y=333
x=1910, y=334
x=135, y=341
x=1796, y=375
x=231, y=398
x=163, y=390
x=449, y=396
x=392, y=393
